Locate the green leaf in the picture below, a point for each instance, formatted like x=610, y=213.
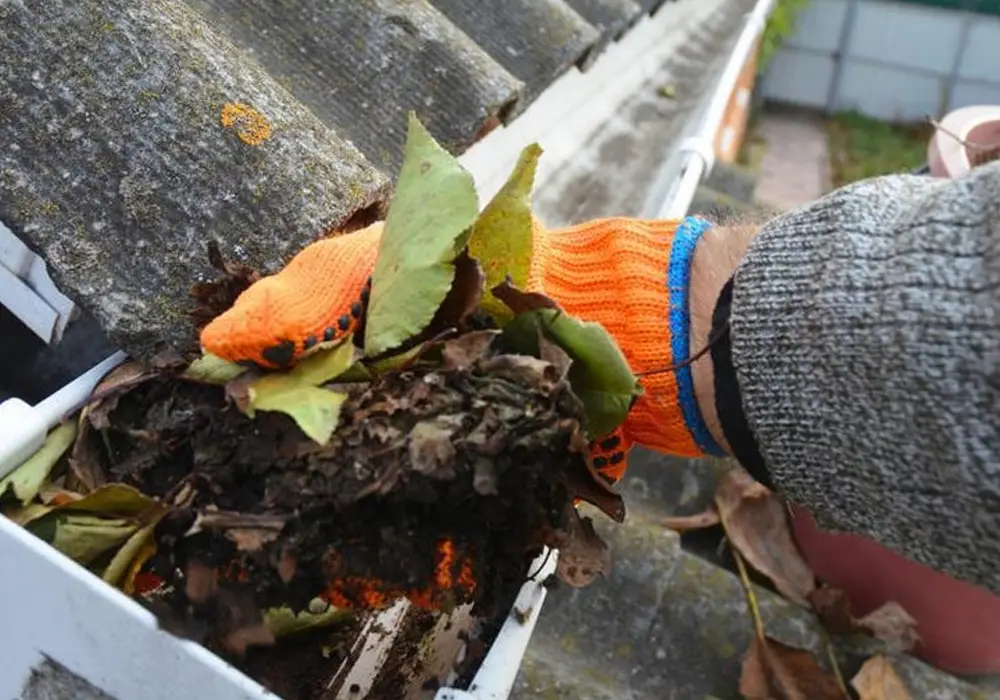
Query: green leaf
x=599, y=376
x=502, y=239
x=298, y=394
x=212, y=369
x=83, y=537
x=434, y=205
x=26, y=479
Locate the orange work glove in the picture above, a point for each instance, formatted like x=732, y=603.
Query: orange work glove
x=629, y=275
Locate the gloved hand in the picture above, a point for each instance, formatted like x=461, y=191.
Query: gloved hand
x=628, y=275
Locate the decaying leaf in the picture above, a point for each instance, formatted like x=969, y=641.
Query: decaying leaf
x=84, y=537
x=106, y=394
x=502, y=237
x=23, y=483
x=519, y=301
x=85, y=527
x=878, y=680
x=583, y=555
x=889, y=623
x=282, y=622
x=112, y=499
x=462, y=299
x=431, y=450
x=600, y=375
x=212, y=298
x=85, y=458
x=212, y=369
x=462, y=352
x=772, y=670
x=697, y=521
x=434, y=206
x=893, y=625
x=757, y=525
x=134, y=548
x=297, y=392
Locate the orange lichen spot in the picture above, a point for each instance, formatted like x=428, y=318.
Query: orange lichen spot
x=251, y=127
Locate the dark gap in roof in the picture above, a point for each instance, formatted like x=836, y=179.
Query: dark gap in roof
x=364, y=217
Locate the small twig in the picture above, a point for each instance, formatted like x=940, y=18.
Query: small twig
x=832, y=657
x=983, y=153
x=752, y=604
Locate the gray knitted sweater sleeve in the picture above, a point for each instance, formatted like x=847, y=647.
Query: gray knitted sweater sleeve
x=866, y=342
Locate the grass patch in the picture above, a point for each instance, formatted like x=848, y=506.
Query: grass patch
x=861, y=147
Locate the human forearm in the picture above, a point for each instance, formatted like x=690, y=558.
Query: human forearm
x=865, y=336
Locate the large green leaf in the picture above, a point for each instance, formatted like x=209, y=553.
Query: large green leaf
x=599, y=376
x=297, y=392
x=501, y=238
x=27, y=478
x=434, y=205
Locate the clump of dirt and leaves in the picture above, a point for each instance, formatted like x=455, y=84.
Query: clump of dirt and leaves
x=430, y=456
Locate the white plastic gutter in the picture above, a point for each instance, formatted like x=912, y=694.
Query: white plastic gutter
x=697, y=152
x=496, y=676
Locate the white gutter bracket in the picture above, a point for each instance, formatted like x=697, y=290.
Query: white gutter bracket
x=27, y=291
x=700, y=147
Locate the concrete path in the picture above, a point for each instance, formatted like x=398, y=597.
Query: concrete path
x=795, y=168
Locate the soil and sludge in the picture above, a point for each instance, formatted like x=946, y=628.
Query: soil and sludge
x=267, y=514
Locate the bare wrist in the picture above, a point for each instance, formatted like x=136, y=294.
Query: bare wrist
x=715, y=259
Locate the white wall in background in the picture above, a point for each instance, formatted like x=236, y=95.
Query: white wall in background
x=887, y=59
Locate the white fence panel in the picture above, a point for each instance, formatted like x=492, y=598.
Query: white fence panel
x=887, y=59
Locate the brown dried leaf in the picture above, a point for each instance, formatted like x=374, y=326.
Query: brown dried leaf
x=251, y=539
x=431, y=450
x=212, y=298
x=697, y=521
x=466, y=292
x=583, y=555
x=525, y=370
x=893, y=625
x=85, y=458
x=519, y=301
x=833, y=609
x=889, y=623
x=757, y=525
x=116, y=384
x=878, y=680
x=775, y=670
x=226, y=520
x=167, y=360
x=462, y=352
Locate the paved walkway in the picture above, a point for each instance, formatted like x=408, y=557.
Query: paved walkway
x=795, y=168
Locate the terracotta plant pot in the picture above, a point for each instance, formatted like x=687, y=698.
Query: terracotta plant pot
x=958, y=623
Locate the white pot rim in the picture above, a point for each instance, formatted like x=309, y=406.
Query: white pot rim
x=947, y=153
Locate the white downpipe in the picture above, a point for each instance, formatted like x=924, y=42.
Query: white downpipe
x=698, y=151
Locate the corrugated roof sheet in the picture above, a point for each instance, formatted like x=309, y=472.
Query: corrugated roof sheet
x=133, y=131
